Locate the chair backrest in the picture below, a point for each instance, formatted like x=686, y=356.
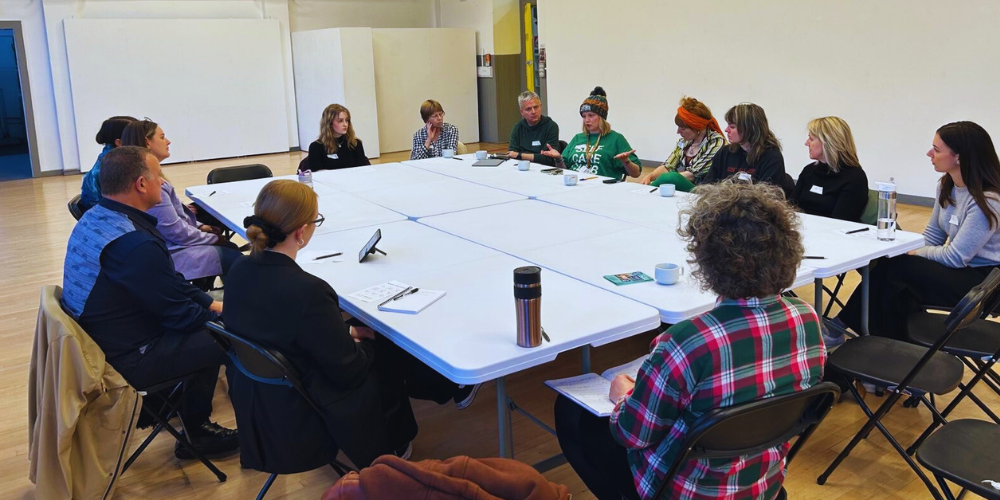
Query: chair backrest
x=75, y=209
x=302, y=164
x=754, y=427
x=870, y=215
x=788, y=186
x=238, y=173
x=461, y=149
x=562, y=145
x=257, y=362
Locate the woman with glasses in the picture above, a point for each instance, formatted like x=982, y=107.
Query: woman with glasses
x=436, y=135
x=360, y=381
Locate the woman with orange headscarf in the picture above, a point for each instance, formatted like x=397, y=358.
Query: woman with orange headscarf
x=700, y=139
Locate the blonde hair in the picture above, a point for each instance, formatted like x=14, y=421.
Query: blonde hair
x=605, y=126
x=326, y=128
x=284, y=204
x=838, y=142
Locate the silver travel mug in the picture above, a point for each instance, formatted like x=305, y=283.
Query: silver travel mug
x=528, y=303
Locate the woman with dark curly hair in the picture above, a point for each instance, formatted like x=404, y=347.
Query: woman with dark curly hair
x=753, y=345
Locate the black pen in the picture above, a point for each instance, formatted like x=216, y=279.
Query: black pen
x=210, y=194
x=415, y=290
x=654, y=189
x=812, y=257
x=328, y=256
x=456, y=158
x=858, y=230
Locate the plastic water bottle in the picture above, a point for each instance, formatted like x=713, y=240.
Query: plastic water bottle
x=886, y=210
x=306, y=177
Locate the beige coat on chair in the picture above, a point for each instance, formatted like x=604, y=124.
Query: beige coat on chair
x=81, y=412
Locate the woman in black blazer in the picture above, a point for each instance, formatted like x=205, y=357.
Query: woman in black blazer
x=360, y=381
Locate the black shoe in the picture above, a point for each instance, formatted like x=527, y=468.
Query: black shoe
x=210, y=439
x=465, y=395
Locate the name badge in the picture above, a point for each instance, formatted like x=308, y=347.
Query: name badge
x=743, y=176
x=816, y=189
x=333, y=156
x=954, y=220
x=536, y=143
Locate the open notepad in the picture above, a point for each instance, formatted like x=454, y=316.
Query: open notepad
x=414, y=302
x=590, y=390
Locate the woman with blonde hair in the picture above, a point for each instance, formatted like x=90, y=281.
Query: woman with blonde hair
x=701, y=138
x=337, y=146
x=598, y=150
x=834, y=185
x=360, y=381
x=754, y=153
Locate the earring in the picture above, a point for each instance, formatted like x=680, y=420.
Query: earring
x=301, y=242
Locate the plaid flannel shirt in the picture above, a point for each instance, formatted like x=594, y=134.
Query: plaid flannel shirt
x=742, y=350
x=447, y=139
x=710, y=145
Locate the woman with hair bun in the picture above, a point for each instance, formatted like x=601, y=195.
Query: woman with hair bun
x=700, y=139
x=110, y=137
x=360, y=381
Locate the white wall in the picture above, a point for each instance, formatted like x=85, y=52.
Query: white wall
x=475, y=14
x=319, y=14
x=336, y=66
x=895, y=70
x=413, y=65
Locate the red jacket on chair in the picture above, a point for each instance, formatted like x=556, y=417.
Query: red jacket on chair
x=392, y=478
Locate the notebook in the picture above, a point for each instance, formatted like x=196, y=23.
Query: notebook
x=487, y=163
x=590, y=390
x=414, y=302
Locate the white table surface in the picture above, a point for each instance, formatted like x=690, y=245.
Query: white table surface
x=469, y=335
x=438, y=197
x=531, y=183
x=385, y=175
x=626, y=201
x=233, y=201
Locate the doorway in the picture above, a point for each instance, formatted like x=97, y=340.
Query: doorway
x=16, y=160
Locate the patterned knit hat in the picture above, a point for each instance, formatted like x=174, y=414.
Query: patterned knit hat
x=597, y=103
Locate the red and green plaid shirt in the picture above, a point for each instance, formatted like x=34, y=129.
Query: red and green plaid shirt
x=742, y=350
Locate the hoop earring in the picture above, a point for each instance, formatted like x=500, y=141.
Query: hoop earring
x=301, y=242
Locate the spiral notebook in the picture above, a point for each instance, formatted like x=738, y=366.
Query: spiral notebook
x=414, y=302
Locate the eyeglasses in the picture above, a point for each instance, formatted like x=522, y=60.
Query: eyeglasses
x=319, y=222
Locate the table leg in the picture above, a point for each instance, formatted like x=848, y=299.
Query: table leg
x=818, y=285
x=505, y=438
x=585, y=361
x=864, y=298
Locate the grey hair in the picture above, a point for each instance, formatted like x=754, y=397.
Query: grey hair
x=525, y=97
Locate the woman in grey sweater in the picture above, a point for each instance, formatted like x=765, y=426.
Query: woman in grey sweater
x=962, y=237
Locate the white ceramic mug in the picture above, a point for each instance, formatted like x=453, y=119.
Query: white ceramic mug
x=667, y=189
x=667, y=273
x=448, y=153
x=523, y=165
x=570, y=178
x=481, y=154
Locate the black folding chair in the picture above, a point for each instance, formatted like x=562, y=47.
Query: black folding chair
x=754, y=427
x=74, y=207
x=161, y=411
x=965, y=453
x=907, y=369
x=265, y=366
x=238, y=173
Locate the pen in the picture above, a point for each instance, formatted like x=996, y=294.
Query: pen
x=210, y=194
x=588, y=178
x=812, y=257
x=653, y=190
x=456, y=158
x=394, y=297
x=858, y=230
x=411, y=292
x=321, y=257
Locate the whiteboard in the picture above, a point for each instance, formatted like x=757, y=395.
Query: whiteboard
x=895, y=70
x=216, y=87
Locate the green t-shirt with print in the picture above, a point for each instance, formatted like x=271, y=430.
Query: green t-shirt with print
x=602, y=161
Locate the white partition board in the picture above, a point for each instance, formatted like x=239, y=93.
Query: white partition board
x=413, y=65
x=336, y=66
x=215, y=86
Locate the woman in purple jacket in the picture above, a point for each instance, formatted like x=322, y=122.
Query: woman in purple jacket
x=198, y=250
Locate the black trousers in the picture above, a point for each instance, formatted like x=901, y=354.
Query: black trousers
x=592, y=451
x=901, y=285
x=175, y=355
x=401, y=377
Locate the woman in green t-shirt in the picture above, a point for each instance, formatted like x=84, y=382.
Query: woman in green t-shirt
x=598, y=150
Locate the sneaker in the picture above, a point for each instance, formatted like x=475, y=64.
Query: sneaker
x=465, y=395
x=210, y=439
x=404, y=453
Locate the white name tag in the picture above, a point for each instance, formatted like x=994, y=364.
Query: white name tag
x=816, y=189
x=333, y=156
x=954, y=220
x=536, y=143
x=743, y=176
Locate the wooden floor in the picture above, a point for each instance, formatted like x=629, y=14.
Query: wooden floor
x=34, y=227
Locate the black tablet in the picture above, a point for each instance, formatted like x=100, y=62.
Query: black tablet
x=369, y=247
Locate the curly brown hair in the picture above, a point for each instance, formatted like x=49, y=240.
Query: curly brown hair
x=744, y=239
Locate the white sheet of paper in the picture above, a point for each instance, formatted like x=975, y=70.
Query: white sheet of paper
x=588, y=390
x=379, y=292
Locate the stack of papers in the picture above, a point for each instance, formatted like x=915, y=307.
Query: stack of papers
x=591, y=390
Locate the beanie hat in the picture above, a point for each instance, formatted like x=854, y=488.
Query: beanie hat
x=597, y=103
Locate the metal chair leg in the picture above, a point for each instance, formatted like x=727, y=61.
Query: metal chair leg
x=267, y=486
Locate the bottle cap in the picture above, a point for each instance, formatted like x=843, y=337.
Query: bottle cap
x=886, y=186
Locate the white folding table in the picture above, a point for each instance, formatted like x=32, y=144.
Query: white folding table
x=531, y=183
